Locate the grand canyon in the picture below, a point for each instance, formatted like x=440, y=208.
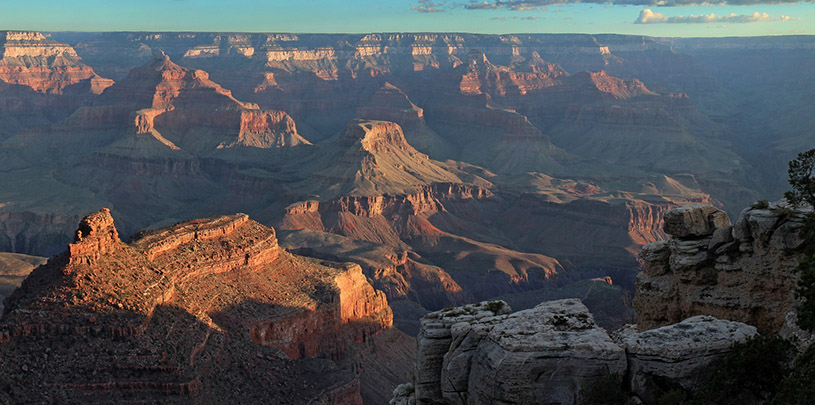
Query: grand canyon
x=319, y=218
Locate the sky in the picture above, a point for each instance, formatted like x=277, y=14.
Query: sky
x=668, y=18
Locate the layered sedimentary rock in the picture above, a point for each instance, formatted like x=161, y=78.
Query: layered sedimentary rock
x=41, y=81
x=390, y=103
x=743, y=272
x=483, y=354
x=46, y=66
x=372, y=158
x=180, y=312
x=32, y=232
x=427, y=223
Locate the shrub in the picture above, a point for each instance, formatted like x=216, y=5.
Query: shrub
x=798, y=387
x=495, y=306
x=751, y=372
x=760, y=205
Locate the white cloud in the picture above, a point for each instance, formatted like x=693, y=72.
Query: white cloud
x=647, y=16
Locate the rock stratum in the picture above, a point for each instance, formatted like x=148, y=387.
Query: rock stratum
x=744, y=272
x=188, y=313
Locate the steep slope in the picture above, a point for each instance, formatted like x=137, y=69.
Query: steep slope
x=14, y=268
x=373, y=158
x=390, y=103
x=160, y=110
x=185, y=313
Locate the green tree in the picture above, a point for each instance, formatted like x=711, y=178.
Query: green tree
x=802, y=179
x=801, y=171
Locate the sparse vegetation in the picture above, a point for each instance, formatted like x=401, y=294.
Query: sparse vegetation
x=751, y=373
x=760, y=205
x=801, y=170
x=802, y=179
x=495, y=306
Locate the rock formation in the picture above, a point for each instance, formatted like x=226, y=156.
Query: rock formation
x=554, y=353
x=482, y=354
x=681, y=355
x=743, y=272
x=185, y=312
x=373, y=158
x=46, y=66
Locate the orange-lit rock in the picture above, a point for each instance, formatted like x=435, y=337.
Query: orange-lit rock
x=186, y=309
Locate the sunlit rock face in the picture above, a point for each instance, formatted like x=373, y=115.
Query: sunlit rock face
x=46, y=66
x=186, y=307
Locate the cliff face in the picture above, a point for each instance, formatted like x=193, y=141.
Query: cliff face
x=219, y=291
x=416, y=223
x=743, y=272
x=46, y=66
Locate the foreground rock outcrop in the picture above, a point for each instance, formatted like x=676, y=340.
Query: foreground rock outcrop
x=187, y=313
x=555, y=354
x=743, y=272
x=482, y=354
x=681, y=355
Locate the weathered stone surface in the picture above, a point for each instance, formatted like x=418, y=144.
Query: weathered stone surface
x=694, y=220
x=546, y=354
x=543, y=355
x=744, y=273
x=434, y=341
x=403, y=394
x=657, y=254
x=720, y=237
x=686, y=254
x=679, y=355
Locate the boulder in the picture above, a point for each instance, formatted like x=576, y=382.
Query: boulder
x=693, y=221
x=543, y=355
x=679, y=355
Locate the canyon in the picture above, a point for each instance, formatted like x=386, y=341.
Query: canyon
x=446, y=169
x=541, y=160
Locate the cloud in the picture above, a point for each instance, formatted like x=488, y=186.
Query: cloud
x=427, y=6
x=529, y=18
x=534, y=5
x=649, y=17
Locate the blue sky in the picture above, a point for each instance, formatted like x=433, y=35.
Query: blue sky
x=647, y=17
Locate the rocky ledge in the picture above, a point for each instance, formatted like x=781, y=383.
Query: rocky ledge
x=743, y=272
x=556, y=354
